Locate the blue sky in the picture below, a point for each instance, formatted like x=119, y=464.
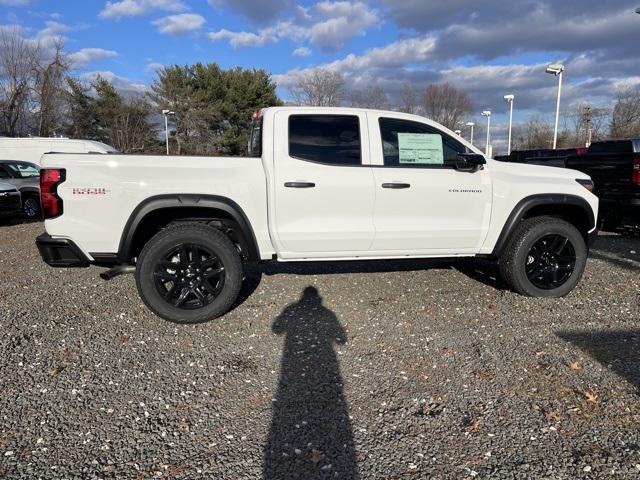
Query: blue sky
x=487, y=48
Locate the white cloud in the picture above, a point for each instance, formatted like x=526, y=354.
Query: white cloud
x=244, y=39
x=84, y=56
x=133, y=8
x=301, y=52
x=123, y=84
x=329, y=25
x=177, y=24
x=154, y=66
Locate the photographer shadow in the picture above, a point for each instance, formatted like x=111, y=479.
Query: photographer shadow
x=310, y=434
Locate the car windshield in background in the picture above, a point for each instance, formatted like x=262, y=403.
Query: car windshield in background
x=23, y=169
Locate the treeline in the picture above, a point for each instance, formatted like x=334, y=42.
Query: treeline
x=211, y=106
x=452, y=108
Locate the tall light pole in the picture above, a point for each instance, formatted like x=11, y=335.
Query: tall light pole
x=556, y=69
x=166, y=114
x=487, y=113
x=471, y=124
x=509, y=98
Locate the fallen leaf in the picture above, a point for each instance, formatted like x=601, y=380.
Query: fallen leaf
x=316, y=455
x=553, y=416
x=575, y=366
x=540, y=353
x=55, y=371
x=591, y=396
x=474, y=425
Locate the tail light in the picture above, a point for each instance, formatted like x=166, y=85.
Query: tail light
x=51, y=203
x=581, y=150
x=635, y=175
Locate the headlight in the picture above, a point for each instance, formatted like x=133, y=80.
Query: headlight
x=588, y=184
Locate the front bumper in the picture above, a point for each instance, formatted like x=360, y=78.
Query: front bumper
x=61, y=252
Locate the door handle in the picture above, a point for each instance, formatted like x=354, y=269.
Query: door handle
x=396, y=185
x=299, y=184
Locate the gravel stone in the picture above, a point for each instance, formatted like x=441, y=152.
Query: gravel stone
x=368, y=370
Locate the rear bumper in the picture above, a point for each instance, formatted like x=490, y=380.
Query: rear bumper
x=60, y=252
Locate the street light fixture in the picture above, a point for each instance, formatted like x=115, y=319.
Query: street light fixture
x=166, y=114
x=556, y=69
x=509, y=98
x=487, y=113
x=457, y=132
x=471, y=124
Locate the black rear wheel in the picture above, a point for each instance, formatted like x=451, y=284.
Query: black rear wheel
x=189, y=273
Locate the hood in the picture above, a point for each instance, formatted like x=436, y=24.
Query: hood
x=7, y=187
x=538, y=171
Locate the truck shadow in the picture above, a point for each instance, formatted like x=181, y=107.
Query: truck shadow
x=310, y=434
x=615, y=349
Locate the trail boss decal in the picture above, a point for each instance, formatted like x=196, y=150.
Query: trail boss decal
x=89, y=191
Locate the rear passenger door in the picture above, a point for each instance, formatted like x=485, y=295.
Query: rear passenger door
x=324, y=188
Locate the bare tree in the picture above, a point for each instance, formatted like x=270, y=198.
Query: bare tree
x=625, y=118
x=446, y=105
x=373, y=97
x=319, y=87
x=50, y=90
x=536, y=132
x=19, y=59
x=408, y=99
x=588, y=122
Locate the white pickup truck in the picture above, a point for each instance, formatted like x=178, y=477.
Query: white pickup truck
x=322, y=184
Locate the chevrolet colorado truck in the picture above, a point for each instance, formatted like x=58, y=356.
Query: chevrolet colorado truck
x=318, y=184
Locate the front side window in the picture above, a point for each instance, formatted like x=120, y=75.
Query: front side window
x=411, y=144
x=330, y=139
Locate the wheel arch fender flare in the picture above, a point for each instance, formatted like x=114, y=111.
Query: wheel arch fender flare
x=160, y=202
x=540, y=200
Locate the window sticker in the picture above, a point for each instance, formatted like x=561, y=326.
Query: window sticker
x=420, y=148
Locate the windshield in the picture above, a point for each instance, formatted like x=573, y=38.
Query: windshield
x=23, y=169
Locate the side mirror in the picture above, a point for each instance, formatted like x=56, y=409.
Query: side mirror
x=470, y=162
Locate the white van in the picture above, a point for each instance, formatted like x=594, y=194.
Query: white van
x=31, y=149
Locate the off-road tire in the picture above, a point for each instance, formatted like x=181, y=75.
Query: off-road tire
x=514, y=258
x=196, y=234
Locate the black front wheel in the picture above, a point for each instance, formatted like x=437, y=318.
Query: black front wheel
x=545, y=257
x=189, y=273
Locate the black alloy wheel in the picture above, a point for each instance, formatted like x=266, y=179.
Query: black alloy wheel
x=189, y=276
x=550, y=262
x=31, y=207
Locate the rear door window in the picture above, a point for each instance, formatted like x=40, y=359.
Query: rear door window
x=328, y=139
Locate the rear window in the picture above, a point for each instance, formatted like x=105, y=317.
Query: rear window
x=620, y=146
x=330, y=139
x=255, y=138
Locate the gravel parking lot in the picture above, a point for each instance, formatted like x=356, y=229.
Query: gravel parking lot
x=357, y=370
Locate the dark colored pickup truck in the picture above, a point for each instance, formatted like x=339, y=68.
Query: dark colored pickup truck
x=614, y=167
x=541, y=156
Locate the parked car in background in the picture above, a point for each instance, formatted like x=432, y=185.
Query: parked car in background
x=614, y=167
x=10, y=202
x=30, y=149
x=321, y=184
x=25, y=176
x=542, y=156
